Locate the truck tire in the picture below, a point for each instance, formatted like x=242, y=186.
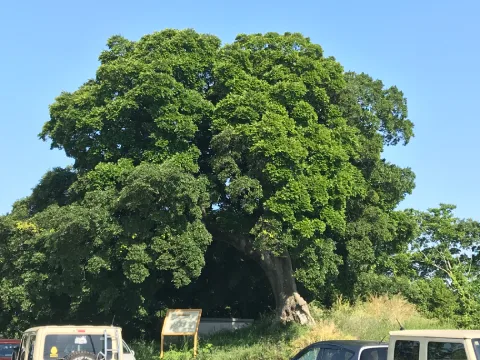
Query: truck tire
x=81, y=355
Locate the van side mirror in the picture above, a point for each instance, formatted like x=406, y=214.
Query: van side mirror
x=15, y=352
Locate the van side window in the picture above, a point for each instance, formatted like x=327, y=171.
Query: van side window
x=476, y=347
x=336, y=354
x=446, y=351
x=406, y=350
x=374, y=354
x=310, y=354
x=126, y=349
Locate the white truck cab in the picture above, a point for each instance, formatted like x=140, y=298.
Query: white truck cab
x=71, y=342
x=434, y=345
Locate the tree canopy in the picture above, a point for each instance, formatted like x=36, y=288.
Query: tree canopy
x=185, y=149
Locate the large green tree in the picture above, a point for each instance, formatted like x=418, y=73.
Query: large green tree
x=264, y=144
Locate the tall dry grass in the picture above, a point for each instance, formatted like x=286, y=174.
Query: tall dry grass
x=375, y=318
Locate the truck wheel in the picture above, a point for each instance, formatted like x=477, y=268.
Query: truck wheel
x=81, y=355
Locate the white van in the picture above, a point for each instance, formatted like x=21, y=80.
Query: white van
x=434, y=345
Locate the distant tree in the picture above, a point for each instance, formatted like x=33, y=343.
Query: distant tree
x=448, y=249
x=440, y=269
x=264, y=144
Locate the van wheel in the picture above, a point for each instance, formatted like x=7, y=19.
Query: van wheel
x=81, y=355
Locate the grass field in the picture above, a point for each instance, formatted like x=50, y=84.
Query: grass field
x=267, y=340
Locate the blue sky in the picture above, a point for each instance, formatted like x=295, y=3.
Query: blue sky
x=429, y=49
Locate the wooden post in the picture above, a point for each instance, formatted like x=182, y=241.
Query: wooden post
x=195, y=343
x=161, y=346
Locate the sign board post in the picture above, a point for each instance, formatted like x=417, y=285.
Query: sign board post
x=181, y=322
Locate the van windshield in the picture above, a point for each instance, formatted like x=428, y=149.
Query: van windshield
x=60, y=346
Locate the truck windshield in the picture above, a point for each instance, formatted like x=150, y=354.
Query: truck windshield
x=6, y=350
x=59, y=346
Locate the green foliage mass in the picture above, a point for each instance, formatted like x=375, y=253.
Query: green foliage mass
x=183, y=146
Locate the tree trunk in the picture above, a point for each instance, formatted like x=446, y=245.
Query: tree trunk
x=290, y=306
